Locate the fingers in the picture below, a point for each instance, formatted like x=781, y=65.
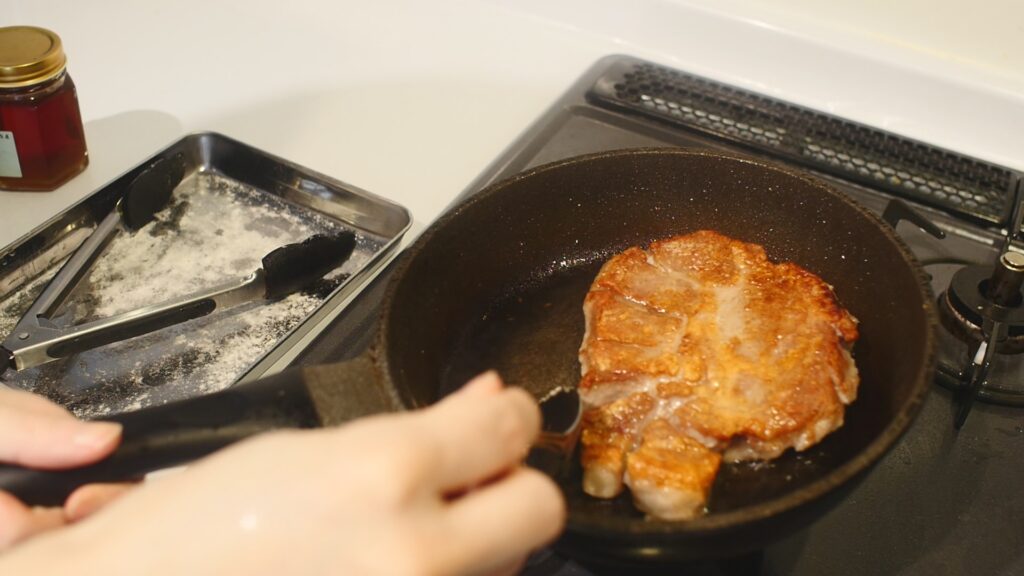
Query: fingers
x=35, y=432
x=28, y=402
x=500, y=524
x=480, y=432
x=88, y=499
x=486, y=384
x=18, y=522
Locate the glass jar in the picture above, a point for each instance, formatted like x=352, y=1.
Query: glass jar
x=42, y=143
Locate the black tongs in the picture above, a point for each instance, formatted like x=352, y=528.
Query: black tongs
x=177, y=433
x=41, y=336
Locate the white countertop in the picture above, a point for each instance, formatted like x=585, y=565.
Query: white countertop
x=411, y=100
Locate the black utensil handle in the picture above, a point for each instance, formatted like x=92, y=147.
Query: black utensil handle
x=169, y=435
x=150, y=191
x=295, y=266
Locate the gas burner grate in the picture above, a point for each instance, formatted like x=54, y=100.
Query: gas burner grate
x=829, y=144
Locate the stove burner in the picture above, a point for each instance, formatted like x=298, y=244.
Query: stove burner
x=969, y=301
x=983, y=307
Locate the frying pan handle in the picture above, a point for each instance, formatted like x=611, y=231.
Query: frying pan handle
x=897, y=210
x=172, y=434
x=344, y=391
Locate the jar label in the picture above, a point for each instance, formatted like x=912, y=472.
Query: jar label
x=10, y=167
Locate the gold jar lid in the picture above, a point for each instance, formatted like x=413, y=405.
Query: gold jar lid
x=29, y=55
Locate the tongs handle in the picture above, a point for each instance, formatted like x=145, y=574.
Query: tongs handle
x=131, y=324
x=285, y=270
x=42, y=347
x=174, y=434
x=146, y=195
x=132, y=327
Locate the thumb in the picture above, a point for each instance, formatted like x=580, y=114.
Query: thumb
x=486, y=384
x=37, y=433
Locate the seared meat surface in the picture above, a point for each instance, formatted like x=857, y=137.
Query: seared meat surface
x=698, y=349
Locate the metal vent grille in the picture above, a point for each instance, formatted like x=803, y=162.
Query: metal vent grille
x=826, y=143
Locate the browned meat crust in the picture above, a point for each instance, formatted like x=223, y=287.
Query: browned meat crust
x=700, y=348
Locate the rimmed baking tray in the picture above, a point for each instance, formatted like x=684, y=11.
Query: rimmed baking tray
x=235, y=204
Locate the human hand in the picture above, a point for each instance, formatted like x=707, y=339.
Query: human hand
x=37, y=433
x=439, y=491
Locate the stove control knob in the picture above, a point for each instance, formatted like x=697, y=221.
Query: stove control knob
x=1004, y=286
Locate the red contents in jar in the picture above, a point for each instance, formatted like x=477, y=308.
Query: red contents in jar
x=47, y=129
x=42, y=143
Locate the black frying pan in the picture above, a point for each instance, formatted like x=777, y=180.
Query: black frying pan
x=499, y=282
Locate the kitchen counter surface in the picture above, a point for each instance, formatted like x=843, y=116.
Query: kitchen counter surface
x=411, y=100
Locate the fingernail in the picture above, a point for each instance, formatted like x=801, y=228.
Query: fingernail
x=97, y=434
x=76, y=506
x=90, y=498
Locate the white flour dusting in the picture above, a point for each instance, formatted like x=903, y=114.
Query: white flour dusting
x=214, y=231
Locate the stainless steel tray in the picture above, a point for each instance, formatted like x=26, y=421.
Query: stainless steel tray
x=235, y=204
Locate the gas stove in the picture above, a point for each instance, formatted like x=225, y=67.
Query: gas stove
x=947, y=498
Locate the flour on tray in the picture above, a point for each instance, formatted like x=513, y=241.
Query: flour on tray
x=214, y=231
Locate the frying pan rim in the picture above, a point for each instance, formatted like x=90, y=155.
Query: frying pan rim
x=724, y=521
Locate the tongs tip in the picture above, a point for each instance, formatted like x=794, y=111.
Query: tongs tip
x=151, y=190
x=561, y=411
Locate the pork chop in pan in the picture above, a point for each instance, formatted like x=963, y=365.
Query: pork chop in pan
x=699, y=349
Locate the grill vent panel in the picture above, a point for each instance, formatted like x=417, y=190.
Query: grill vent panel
x=826, y=143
